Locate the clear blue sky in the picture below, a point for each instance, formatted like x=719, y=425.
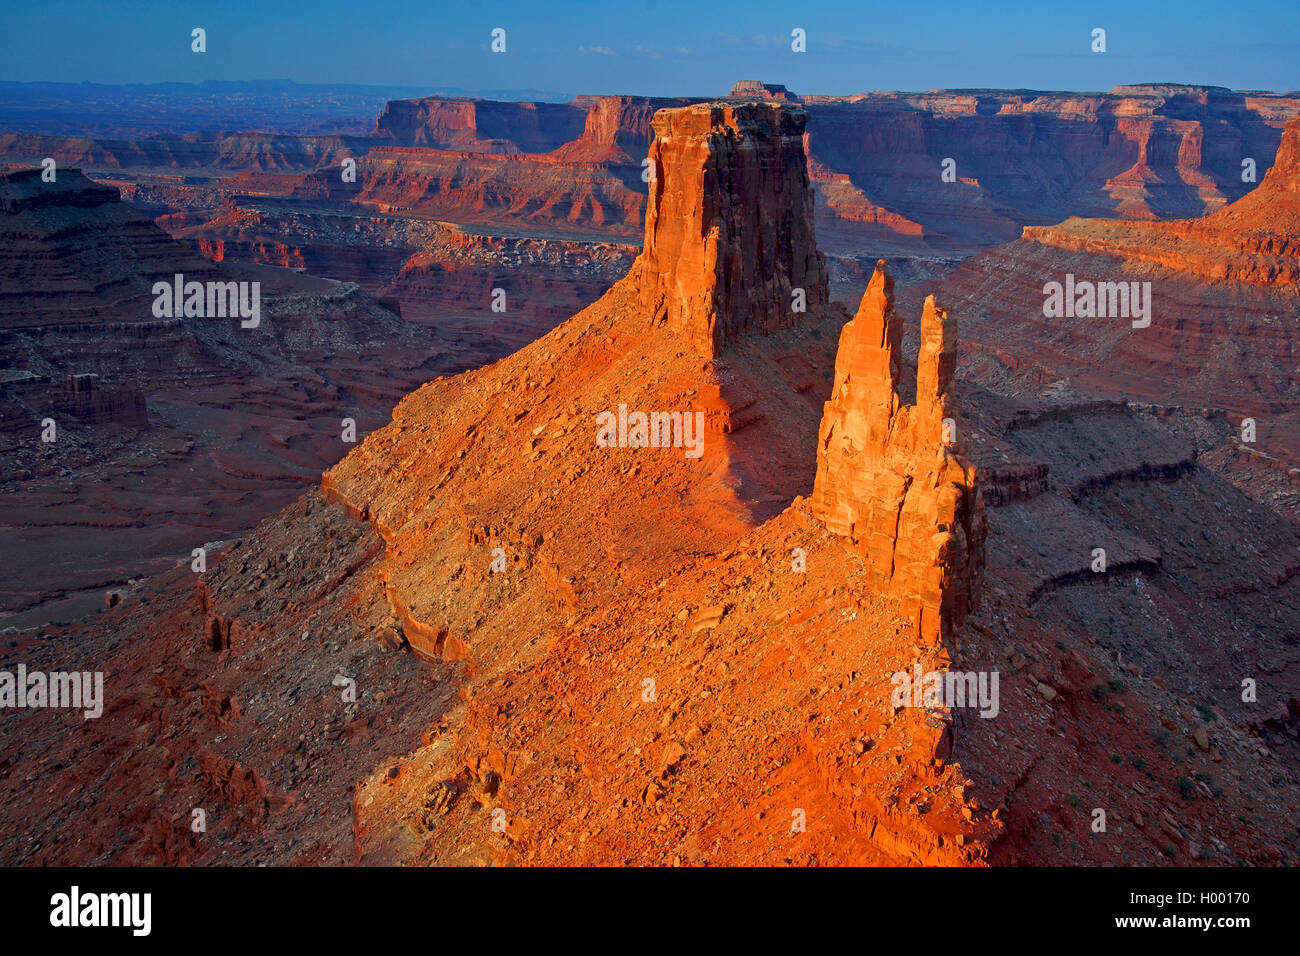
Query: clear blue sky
x=658, y=47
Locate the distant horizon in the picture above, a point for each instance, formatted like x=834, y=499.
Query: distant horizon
x=658, y=47
x=562, y=95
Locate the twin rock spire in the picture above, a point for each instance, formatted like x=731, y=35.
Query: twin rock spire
x=888, y=475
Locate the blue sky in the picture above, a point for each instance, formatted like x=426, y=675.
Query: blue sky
x=659, y=47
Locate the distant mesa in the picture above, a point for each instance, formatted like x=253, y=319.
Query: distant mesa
x=756, y=90
x=1149, y=151
x=1255, y=239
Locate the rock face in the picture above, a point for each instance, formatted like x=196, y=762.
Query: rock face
x=90, y=403
x=480, y=126
x=1255, y=239
x=1028, y=158
x=617, y=131
x=888, y=474
x=1224, y=291
x=730, y=245
x=530, y=191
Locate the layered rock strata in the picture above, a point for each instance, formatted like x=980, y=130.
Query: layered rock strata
x=1253, y=240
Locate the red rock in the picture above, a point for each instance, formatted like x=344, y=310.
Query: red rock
x=757, y=90
x=604, y=547
x=672, y=755
x=887, y=479
x=729, y=230
x=1255, y=239
x=479, y=126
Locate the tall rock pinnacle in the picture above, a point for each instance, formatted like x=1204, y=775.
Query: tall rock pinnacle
x=888, y=474
x=729, y=241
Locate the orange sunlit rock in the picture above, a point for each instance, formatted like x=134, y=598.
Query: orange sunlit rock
x=888, y=474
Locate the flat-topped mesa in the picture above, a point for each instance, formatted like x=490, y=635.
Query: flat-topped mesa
x=889, y=477
x=730, y=247
x=758, y=90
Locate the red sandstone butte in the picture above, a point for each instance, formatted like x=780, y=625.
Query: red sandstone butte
x=729, y=232
x=888, y=475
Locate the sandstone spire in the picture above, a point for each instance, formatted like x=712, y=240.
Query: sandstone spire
x=729, y=236
x=888, y=475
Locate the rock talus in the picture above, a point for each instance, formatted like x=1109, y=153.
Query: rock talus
x=889, y=477
x=729, y=245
